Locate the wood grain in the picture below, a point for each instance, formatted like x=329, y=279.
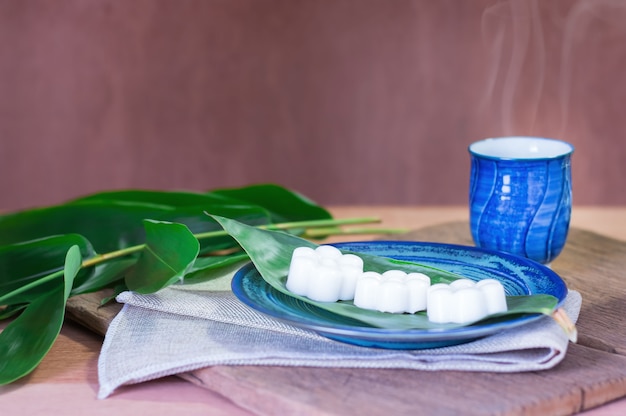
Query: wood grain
x=592, y=373
x=585, y=379
x=88, y=311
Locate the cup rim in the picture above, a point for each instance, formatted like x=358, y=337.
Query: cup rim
x=475, y=148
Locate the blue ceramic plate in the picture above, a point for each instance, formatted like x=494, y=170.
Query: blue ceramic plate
x=518, y=275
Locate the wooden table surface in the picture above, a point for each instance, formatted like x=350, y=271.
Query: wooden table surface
x=66, y=380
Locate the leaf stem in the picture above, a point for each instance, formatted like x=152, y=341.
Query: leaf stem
x=323, y=232
x=299, y=224
x=100, y=258
x=564, y=321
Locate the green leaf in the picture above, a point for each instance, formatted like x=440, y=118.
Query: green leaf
x=164, y=198
x=113, y=225
x=271, y=251
x=214, y=267
x=25, y=263
x=117, y=289
x=283, y=204
x=170, y=251
x=105, y=275
x=11, y=310
x=73, y=261
x=27, y=339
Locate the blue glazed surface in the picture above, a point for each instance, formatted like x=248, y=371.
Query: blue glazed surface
x=521, y=206
x=519, y=276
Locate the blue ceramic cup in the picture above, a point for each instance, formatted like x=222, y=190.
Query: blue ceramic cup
x=520, y=195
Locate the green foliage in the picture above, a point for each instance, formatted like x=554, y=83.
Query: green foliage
x=129, y=239
x=25, y=268
x=169, y=252
x=26, y=340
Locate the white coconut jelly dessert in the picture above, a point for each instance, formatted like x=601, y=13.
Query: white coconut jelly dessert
x=392, y=291
x=464, y=301
x=325, y=274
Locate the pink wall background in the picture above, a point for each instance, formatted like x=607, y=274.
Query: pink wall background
x=346, y=101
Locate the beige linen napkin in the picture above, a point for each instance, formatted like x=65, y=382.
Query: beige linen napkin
x=184, y=328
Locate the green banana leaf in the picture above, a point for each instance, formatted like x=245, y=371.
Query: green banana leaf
x=103, y=276
x=27, y=339
x=284, y=205
x=113, y=225
x=113, y=220
x=213, y=267
x=169, y=253
x=32, y=261
x=168, y=198
x=271, y=251
x=12, y=310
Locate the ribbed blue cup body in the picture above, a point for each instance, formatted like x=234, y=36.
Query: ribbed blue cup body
x=521, y=206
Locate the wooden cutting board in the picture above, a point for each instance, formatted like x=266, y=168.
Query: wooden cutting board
x=592, y=373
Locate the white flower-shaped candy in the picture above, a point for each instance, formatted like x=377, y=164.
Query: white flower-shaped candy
x=464, y=301
x=323, y=274
x=393, y=291
x=495, y=296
